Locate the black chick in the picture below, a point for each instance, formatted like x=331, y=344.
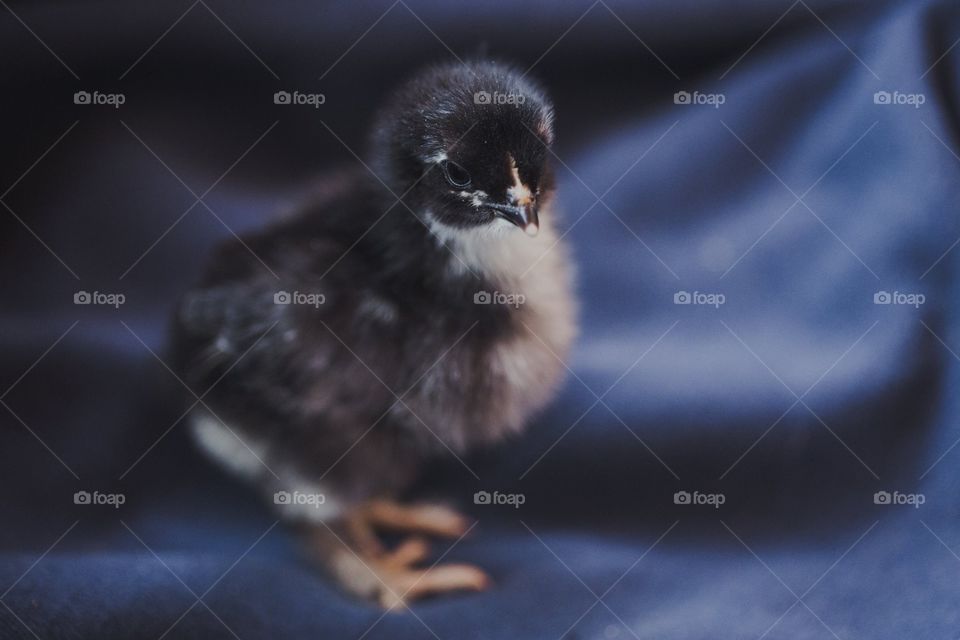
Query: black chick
x=417, y=313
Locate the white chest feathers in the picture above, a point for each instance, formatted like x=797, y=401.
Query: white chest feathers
x=533, y=276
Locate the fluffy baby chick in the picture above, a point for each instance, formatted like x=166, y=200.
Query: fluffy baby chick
x=422, y=312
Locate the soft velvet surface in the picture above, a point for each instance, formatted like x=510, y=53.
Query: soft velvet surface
x=798, y=199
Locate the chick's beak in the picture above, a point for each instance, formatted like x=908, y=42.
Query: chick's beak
x=524, y=216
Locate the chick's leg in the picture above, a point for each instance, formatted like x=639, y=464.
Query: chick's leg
x=428, y=519
x=361, y=565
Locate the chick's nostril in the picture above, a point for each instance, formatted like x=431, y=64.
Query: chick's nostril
x=521, y=195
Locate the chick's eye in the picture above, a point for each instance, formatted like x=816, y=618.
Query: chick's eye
x=456, y=175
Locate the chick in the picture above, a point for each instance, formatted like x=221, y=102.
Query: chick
x=421, y=312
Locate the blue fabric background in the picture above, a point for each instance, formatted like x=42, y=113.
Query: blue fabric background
x=827, y=396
